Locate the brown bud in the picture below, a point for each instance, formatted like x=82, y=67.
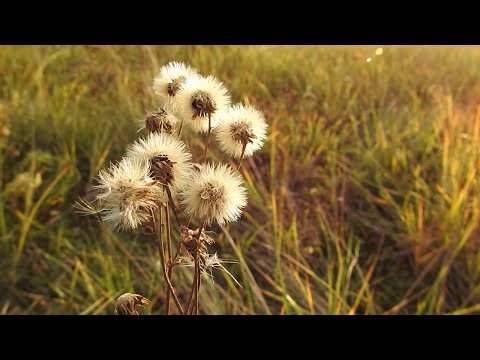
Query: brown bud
x=127, y=303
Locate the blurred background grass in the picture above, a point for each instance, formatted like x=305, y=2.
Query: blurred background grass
x=364, y=200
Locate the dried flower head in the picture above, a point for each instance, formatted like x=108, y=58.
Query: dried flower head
x=160, y=121
x=216, y=193
x=192, y=242
x=241, y=127
x=167, y=157
x=126, y=194
x=187, y=235
x=171, y=78
x=201, y=98
x=127, y=303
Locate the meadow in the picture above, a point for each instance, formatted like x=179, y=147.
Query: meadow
x=365, y=198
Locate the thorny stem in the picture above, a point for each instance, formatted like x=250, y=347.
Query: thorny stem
x=241, y=156
x=158, y=236
x=207, y=137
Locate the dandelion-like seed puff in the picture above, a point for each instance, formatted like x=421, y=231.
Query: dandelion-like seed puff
x=216, y=193
x=161, y=121
x=126, y=194
x=242, y=131
x=167, y=157
x=171, y=78
x=200, y=100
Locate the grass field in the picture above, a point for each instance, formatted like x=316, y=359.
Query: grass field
x=365, y=199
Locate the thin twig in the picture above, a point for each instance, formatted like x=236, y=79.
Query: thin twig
x=162, y=259
x=169, y=254
x=169, y=238
x=199, y=277
x=241, y=156
x=207, y=139
x=194, y=292
x=180, y=130
x=179, y=247
x=160, y=215
x=172, y=204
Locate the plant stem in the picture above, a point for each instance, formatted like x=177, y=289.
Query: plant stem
x=172, y=204
x=169, y=238
x=164, y=263
x=241, y=156
x=169, y=254
x=193, y=300
x=207, y=139
x=197, y=292
x=194, y=292
x=180, y=130
x=158, y=236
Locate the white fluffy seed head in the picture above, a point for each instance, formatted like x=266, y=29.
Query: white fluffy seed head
x=200, y=97
x=167, y=157
x=170, y=79
x=216, y=193
x=241, y=125
x=126, y=194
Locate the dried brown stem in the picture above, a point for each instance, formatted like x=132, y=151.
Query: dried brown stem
x=180, y=130
x=207, y=138
x=172, y=204
x=195, y=290
x=161, y=251
x=169, y=254
x=241, y=156
x=192, y=292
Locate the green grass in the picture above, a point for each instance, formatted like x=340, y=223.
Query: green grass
x=364, y=200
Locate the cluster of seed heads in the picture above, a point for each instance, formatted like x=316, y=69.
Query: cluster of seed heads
x=157, y=170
